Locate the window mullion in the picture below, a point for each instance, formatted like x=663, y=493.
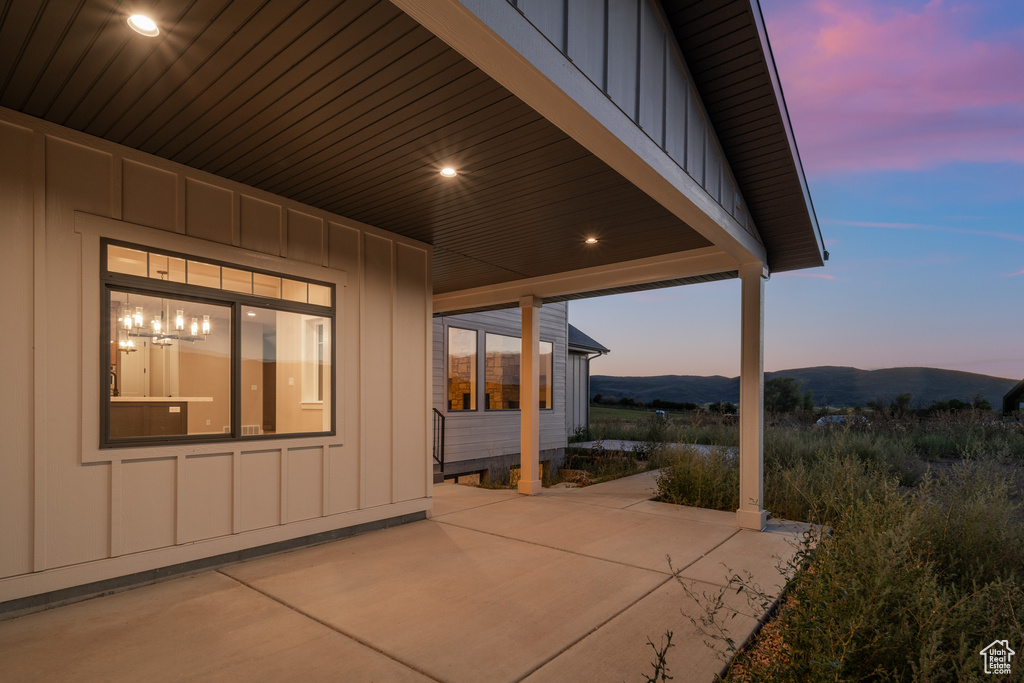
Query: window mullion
x=236, y=370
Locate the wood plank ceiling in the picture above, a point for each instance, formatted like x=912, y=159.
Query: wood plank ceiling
x=722, y=48
x=351, y=107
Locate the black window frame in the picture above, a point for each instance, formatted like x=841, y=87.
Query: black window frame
x=135, y=284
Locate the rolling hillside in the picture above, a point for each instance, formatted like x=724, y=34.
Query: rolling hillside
x=834, y=386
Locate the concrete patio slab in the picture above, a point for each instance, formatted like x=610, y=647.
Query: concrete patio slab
x=619, y=651
x=610, y=534
x=494, y=586
x=457, y=604
x=683, y=513
x=755, y=556
x=203, y=627
x=450, y=498
x=618, y=493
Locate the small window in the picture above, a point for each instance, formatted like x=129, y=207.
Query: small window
x=461, y=369
x=501, y=379
x=195, y=350
x=546, y=349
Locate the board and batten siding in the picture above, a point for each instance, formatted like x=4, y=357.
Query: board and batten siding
x=470, y=435
x=626, y=49
x=71, y=513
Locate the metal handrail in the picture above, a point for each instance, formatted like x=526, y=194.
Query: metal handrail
x=439, y=418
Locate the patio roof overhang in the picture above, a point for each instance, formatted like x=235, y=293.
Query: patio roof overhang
x=353, y=107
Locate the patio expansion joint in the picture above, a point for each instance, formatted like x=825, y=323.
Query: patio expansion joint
x=591, y=557
x=549, y=547
x=679, y=570
x=472, y=507
x=625, y=609
x=595, y=629
x=332, y=627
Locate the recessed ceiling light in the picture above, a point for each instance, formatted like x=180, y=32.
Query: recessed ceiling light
x=449, y=172
x=251, y=314
x=140, y=23
x=591, y=240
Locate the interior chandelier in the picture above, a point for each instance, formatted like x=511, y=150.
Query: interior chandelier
x=160, y=330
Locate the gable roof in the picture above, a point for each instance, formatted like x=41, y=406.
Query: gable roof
x=579, y=341
x=725, y=45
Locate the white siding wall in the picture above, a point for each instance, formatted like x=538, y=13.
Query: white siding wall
x=71, y=513
x=627, y=50
x=482, y=433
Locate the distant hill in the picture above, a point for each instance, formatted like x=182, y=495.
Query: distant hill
x=834, y=386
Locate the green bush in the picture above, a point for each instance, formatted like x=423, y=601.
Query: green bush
x=920, y=569
x=901, y=590
x=691, y=477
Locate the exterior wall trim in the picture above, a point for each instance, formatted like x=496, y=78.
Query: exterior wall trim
x=25, y=585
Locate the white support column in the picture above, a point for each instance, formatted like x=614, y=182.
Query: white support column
x=751, y=513
x=529, y=398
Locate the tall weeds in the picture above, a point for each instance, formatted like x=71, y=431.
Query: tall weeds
x=923, y=562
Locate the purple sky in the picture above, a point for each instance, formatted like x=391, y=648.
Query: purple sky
x=910, y=121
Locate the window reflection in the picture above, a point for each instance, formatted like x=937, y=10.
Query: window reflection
x=501, y=378
x=461, y=369
x=546, y=356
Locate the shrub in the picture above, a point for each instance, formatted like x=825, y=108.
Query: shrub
x=693, y=477
x=883, y=598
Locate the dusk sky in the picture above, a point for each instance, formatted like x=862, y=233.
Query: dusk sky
x=909, y=117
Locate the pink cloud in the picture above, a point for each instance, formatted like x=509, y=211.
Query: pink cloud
x=1019, y=272
x=870, y=86
x=1013, y=237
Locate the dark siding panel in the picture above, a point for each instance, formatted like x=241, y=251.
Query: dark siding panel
x=675, y=113
x=548, y=16
x=696, y=133
x=713, y=172
x=623, y=35
x=587, y=38
x=652, y=73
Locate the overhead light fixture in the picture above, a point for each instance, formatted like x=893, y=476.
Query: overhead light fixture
x=449, y=172
x=143, y=25
x=251, y=314
x=590, y=240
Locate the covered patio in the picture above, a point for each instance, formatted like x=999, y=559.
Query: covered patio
x=414, y=158
x=567, y=585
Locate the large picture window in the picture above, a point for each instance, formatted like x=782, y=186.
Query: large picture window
x=461, y=369
x=194, y=350
x=501, y=379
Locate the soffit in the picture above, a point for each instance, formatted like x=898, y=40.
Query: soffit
x=722, y=47
x=350, y=107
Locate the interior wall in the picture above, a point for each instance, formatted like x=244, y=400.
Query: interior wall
x=70, y=513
